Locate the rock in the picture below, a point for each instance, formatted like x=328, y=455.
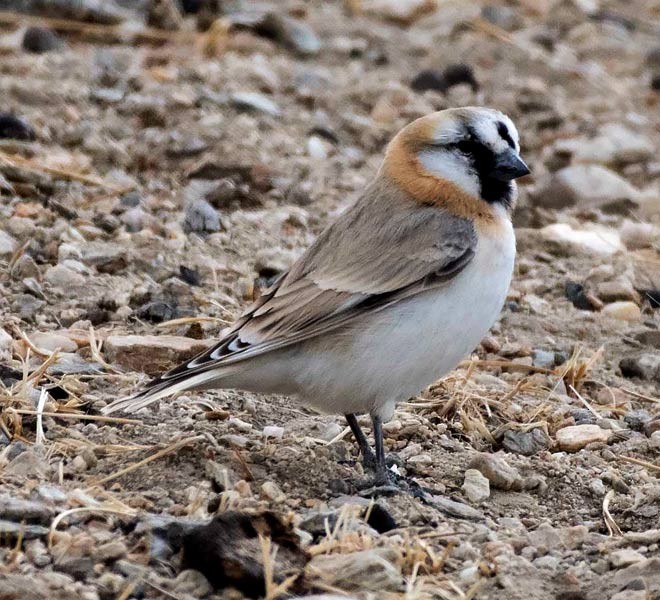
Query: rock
x=369, y=570
x=639, y=235
x=497, y=471
x=201, y=217
x=580, y=298
x=158, y=311
x=228, y=550
x=31, y=511
x=8, y=244
x=271, y=491
x=637, y=419
x=596, y=240
x=576, y=437
x=649, y=337
x=13, y=530
x=543, y=358
x=544, y=538
x=111, y=551
x=253, y=101
x=455, y=509
x=475, y=486
x=30, y=463
x=191, y=583
x=317, y=148
x=441, y=81
x=625, y=557
x=63, y=278
x=39, y=40
x=623, y=311
x=6, y=342
x=621, y=289
x=526, y=443
x=149, y=353
x=644, y=366
x=614, y=145
x=331, y=431
x=51, y=341
x=105, y=12
x=379, y=518
x=15, y=128
x=589, y=186
x=273, y=431
x=293, y=34
x=79, y=567
x=403, y=12
x=504, y=17
x=164, y=14
x=647, y=570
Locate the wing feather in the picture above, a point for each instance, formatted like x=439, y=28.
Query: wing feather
x=377, y=253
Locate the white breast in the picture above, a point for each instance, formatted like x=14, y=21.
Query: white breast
x=398, y=352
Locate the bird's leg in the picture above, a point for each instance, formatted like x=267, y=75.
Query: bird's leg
x=368, y=457
x=383, y=475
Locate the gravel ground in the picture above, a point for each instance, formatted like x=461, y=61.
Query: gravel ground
x=158, y=169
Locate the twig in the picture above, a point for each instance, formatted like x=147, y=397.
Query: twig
x=586, y=404
x=63, y=415
x=186, y=320
x=156, y=456
x=73, y=511
x=642, y=463
x=41, y=436
x=610, y=523
x=341, y=435
x=147, y=33
x=640, y=396
x=30, y=165
x=505, y=364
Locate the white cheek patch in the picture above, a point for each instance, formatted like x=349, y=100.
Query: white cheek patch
x=452, y=167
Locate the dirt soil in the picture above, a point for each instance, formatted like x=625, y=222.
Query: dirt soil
x=159, y=179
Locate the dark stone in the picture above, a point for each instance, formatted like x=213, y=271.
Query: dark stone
x=131, y=199
x=644, y=366
x=80, y=568
x=201, y=217
x=325, y=133
x=228, y=553
x=190, y=276
x=576, y=294
x=526, y=443
x=582, y=416
x=9, y=376
x=655, y=82
x=652, y=296
x=15, y=128
x=636, y=419
x=39, y=40
x=158, y=311
x=191, y=7
x=380, y=519
x=649, y=337
x=227, y=196
x=441, y=81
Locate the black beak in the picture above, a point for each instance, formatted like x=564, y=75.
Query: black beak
x=508, y=166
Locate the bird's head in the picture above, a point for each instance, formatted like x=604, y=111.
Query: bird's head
x=463, y=159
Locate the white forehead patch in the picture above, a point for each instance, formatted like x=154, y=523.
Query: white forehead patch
x=484, y=122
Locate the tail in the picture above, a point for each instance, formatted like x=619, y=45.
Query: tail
x=161, y=388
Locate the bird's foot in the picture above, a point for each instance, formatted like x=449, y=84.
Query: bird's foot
x=387, y=482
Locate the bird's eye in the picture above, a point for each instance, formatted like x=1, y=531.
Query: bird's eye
x=466, y=146
x=505, y=135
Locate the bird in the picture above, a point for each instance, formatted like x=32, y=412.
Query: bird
x=400, y=288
